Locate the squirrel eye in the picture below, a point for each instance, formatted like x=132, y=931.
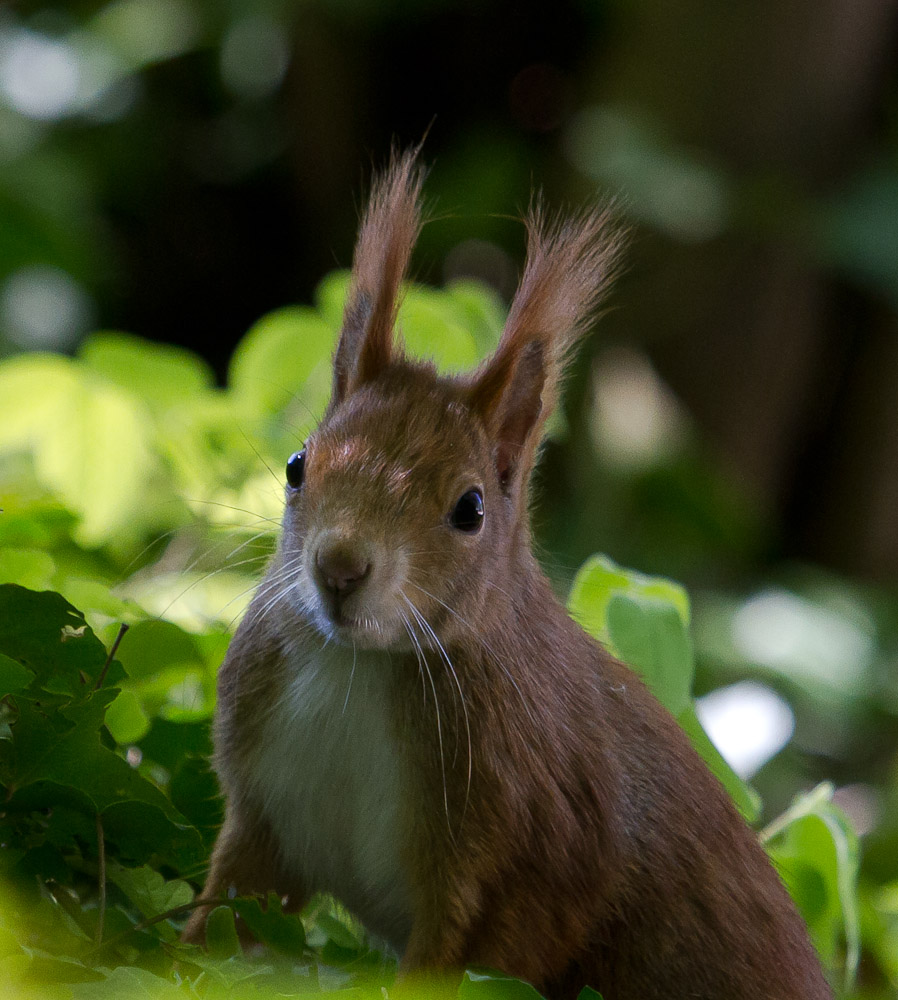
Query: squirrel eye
x=296, y=467
x=467, y=515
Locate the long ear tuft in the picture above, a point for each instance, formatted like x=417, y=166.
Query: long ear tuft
x=388, y=232
x=570, y=265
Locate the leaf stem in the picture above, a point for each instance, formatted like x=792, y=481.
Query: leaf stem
x=123, y=628
x=804, y=806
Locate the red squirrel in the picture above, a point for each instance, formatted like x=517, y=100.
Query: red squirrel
x=410, y=721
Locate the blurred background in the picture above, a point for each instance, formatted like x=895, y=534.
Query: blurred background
x=178, y=168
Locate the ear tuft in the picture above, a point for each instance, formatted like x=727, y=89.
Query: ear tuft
x=570, y=264
x=388, y=232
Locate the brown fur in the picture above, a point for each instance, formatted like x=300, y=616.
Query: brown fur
x=554, y=821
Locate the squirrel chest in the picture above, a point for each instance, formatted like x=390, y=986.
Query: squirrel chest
x=328, y=774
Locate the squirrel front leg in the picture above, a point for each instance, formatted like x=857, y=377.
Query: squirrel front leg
x=444, y=933
x=245, y=859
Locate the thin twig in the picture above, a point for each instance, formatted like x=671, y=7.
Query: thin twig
x=101, y=878
x=123, y=628
x=175, y=911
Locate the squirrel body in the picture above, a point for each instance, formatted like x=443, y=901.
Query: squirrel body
x=409, y=720
x=327, y=761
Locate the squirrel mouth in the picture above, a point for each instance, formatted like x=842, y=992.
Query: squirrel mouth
x=342, y=625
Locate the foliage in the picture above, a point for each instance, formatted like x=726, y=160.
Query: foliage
x=133, y=494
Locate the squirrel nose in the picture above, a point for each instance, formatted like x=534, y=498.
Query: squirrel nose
x=341, y=568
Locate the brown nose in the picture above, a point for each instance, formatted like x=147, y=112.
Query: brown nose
x=341, y=568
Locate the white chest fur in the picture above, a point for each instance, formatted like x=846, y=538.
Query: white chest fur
x=328, y=773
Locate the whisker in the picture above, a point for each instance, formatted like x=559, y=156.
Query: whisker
x=351, y=675
x=422, y=662
x=240, y=510
x=496, y=658
x=425, y=624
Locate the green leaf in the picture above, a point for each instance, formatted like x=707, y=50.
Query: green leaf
x=148, y=890
x=480, y=310
x=453, y=328
x=169, y=743
x=145, y=834
x=194, y=792
x=588, y=993
x=126, y=719
x=600, y=578
x=159, y=373
x=128, y=983
x=89, y=441
x=431, y=328
x=67, y=751
x=338, y=932
x=494, y=986
x=330, y=298
x=645, y=620
x=32, y=568
x=13, y=676
x=815, y=834
x=271, y=925
x=50, y=637
x=48, y=969
x=94, y=596
x=595, y=583
x=649, y=634
x=221, y=933
x=150, y=647
x=277, y=356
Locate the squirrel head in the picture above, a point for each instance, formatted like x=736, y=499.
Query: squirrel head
x=406, y=518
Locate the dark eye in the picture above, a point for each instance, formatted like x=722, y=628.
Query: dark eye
x=467, y=515
x=296, y=467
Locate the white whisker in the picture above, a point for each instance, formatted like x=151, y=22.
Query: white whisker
x=422, y=662
x=496, y=658
x=425, y=624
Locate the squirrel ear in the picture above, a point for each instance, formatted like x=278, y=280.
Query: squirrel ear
x=387, y=235
x=570, y=264
x=508, y=395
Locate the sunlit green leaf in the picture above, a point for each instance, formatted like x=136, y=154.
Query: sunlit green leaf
x=481, y=312
x=431, y=328
x=275, y=358
x=159, y=373
x=599, y=578
x=31, y=568
x=330, y=298
x=89, y=440
x=126, y=719
x=814, y=834
x=150, y=647
x=454, y=328
x=648, y=633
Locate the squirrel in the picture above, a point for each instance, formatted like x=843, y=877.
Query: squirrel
x=409, y=720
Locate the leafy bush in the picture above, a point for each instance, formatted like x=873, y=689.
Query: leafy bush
x=138, y=493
